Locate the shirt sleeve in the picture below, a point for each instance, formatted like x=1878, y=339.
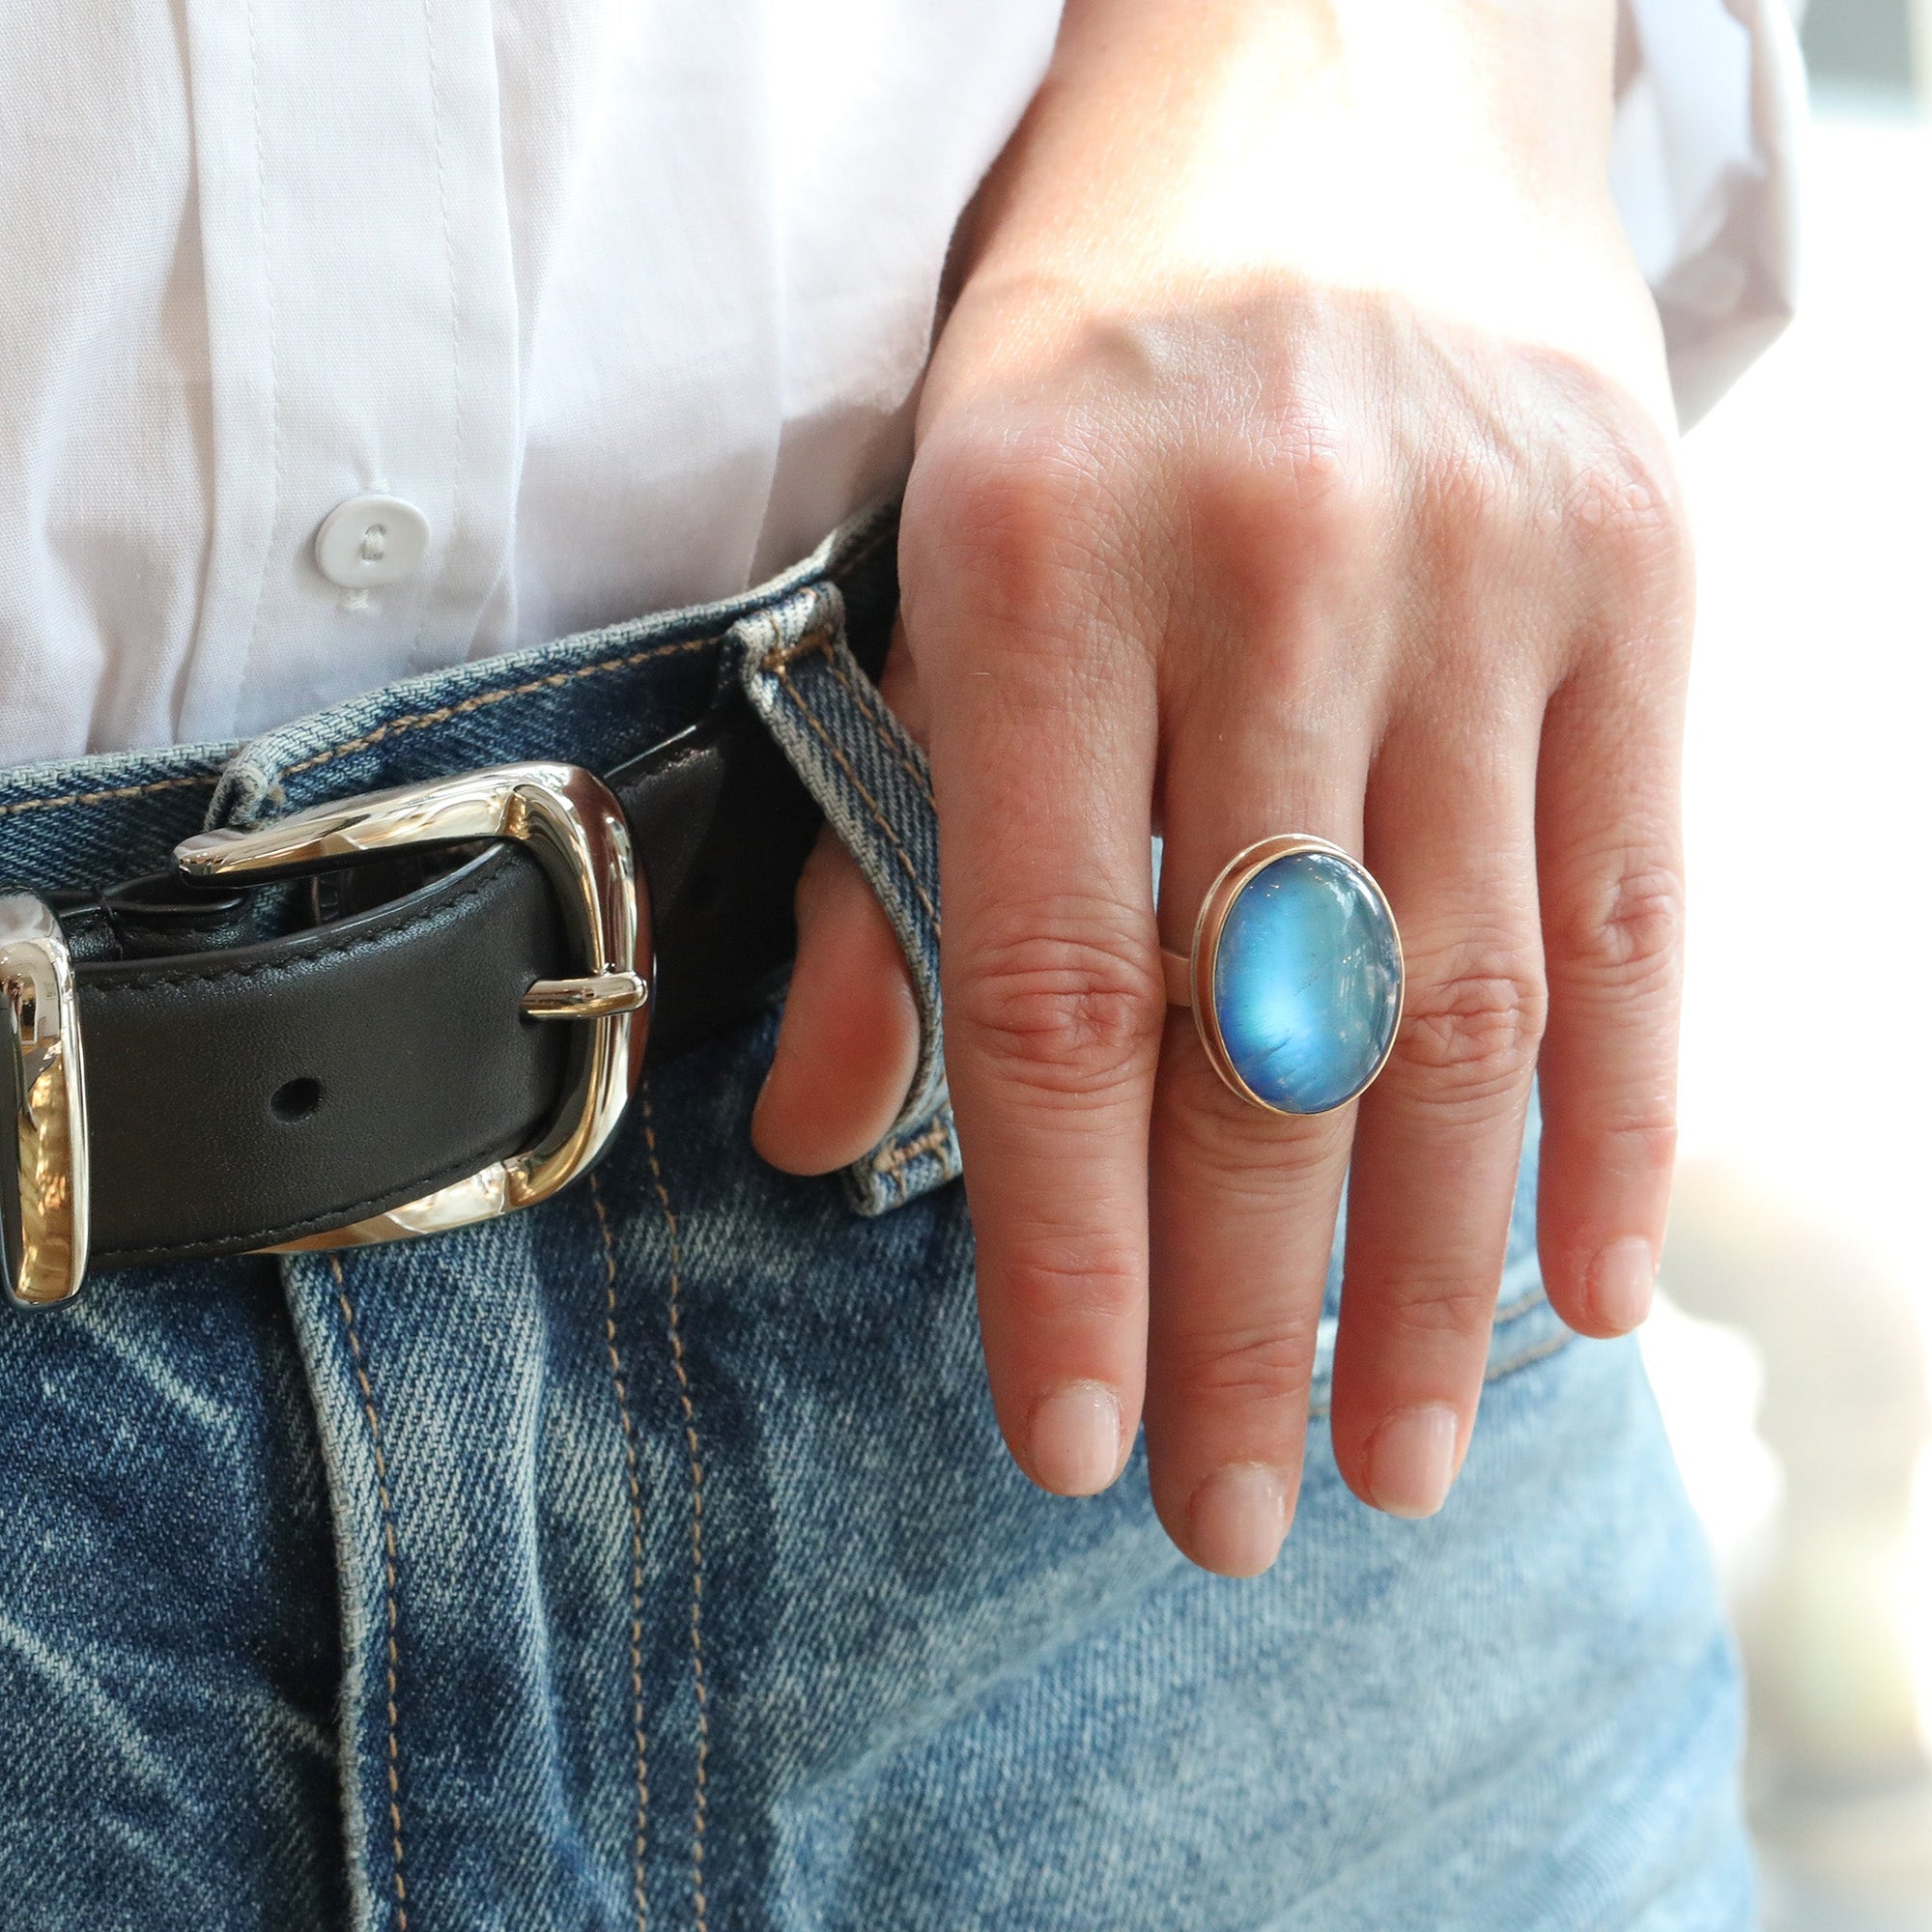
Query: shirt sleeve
x=1704, y=163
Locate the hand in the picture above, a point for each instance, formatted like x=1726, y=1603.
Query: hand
x=1292, y=461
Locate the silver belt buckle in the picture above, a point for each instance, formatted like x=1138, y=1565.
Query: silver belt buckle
x=576, y=829
x=44, y=1200
x=572, y=824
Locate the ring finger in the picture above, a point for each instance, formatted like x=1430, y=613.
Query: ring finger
x=1449, y=826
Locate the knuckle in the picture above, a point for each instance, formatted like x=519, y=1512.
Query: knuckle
x=1470, y=1027
x=1630, y=1136
x=1262, y=1366
x=1069, y=1014
x=1478, y=493
x=1312, y=502
x=1599, y=493
x=1644, y=1146
x=1257, y=1159
x=1274, y=522
x=1627, y=930
x=1022, y=561
x=1002, y=519
x=1621, y=503
x=1427, y=1307
x=1063, y=1282
x=1623, y=515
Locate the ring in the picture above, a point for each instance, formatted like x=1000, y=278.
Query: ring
x=1295, y=977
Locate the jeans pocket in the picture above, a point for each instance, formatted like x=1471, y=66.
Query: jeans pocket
x=872, y=782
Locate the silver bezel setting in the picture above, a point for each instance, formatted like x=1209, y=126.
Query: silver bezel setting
x=1228, y=885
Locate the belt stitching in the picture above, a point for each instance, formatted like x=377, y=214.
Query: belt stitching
x=188, y=976
x=226, y=1245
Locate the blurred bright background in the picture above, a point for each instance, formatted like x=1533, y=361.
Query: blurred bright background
x=1791, y=1356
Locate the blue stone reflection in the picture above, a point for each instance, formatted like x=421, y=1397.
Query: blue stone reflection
x=1307, y=983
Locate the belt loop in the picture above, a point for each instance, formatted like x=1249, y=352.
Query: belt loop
x=872, y=782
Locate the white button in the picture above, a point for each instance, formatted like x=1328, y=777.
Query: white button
x=371, y=540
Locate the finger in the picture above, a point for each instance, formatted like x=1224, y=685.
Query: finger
x=848, y=1044
x=1614, y=916
x=1244, y=1200
x=1041, y=709
x=1449, y=819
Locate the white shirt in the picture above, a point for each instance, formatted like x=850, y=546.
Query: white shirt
x=625, y=299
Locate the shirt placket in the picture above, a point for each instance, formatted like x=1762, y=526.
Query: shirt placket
x=363, y=339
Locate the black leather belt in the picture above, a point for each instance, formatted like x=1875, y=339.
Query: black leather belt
x=445, y=1022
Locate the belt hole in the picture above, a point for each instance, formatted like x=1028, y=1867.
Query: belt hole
x=296, y=1099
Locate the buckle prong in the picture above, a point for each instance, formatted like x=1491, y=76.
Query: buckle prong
x=587, y=998
x=576, y=829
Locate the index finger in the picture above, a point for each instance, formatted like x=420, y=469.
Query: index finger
x=1043, y=745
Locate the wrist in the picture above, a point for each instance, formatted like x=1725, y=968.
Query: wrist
x=1460, y=163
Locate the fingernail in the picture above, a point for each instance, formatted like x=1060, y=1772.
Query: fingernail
x=1238, y=1520
x=1073, y=1446
x=1412, y=1460
x=1620, y=1284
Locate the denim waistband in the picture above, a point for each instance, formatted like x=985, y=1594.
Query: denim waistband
x=595, y=699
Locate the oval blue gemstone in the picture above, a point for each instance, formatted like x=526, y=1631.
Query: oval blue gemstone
x=1307, y=982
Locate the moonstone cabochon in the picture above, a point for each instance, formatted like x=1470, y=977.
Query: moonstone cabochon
x=1307, y=982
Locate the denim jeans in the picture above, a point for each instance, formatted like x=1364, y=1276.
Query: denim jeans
x=650, y=1558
